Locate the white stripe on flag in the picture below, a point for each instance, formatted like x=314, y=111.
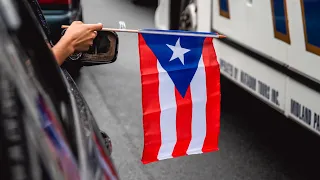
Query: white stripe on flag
x=168, y=114
x=199, y=100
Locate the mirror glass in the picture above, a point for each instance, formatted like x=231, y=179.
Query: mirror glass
x=104, y=49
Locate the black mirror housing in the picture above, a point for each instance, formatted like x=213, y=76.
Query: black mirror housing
x=103, y=51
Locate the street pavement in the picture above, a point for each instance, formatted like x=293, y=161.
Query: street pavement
x=255, y=142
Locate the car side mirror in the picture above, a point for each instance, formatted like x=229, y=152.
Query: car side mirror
x=103, y=51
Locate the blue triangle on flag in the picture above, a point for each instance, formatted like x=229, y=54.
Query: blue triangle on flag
x=182, y=68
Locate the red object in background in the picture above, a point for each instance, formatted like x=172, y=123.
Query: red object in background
x=54, y=1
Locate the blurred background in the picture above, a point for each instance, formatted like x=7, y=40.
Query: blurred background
x=269, y=123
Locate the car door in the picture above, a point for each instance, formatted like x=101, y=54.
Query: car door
x=80, y=128
x=26, y=150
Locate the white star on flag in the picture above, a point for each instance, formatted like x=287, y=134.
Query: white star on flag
x=178, y=51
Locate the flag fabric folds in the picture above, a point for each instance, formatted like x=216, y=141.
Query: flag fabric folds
x=180, y=79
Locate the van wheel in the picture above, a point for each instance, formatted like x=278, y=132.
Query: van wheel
x=188, y=18
x=183, y=15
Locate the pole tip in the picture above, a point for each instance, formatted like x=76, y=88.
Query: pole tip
x=222, y=36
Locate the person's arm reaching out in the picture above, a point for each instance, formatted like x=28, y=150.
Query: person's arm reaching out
x=78, y=38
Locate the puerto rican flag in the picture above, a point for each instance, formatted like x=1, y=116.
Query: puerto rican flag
x=180, y=79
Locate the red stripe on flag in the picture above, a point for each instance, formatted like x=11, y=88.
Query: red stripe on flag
x=183, y=123
x=150, y=102
x=213, y=96
x=107, y=160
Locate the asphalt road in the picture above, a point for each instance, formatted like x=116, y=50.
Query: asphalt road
x=255, y=142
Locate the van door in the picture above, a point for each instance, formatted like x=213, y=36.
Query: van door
x=303, y=92
x=257, y=37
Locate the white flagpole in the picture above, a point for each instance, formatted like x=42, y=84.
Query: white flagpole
x=158, y=32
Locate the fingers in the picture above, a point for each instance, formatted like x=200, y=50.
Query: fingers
x=83, y=35
x=77, y=22
x=94, y=34
x=91, y=27
x=87, y=46
x=94, y=27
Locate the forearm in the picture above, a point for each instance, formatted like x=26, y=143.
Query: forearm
x=62, y=50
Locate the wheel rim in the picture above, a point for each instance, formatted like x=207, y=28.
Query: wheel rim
x=188, y=18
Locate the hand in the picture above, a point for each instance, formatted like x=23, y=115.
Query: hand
x=80, y=36
x=77, y=38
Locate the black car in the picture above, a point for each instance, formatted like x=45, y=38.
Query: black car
x=47, y=130
x=60, y=12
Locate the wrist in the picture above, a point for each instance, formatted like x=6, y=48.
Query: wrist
x=67, y=44
x=63, y=49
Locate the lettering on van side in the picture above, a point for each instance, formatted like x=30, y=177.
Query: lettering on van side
x=305, y=114
x=316, y=122
x=248, y=80
x=269, y=93
x=300, y=111
x=262, y=88
x=274, y=97
x=229, y=69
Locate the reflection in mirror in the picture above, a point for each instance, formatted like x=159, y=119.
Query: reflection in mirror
x=104, y=49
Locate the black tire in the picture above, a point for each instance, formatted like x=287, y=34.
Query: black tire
x=138, y=2
x=176, y=9
x=145, y=2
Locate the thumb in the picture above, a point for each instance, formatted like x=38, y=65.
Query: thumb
x=95, y=27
